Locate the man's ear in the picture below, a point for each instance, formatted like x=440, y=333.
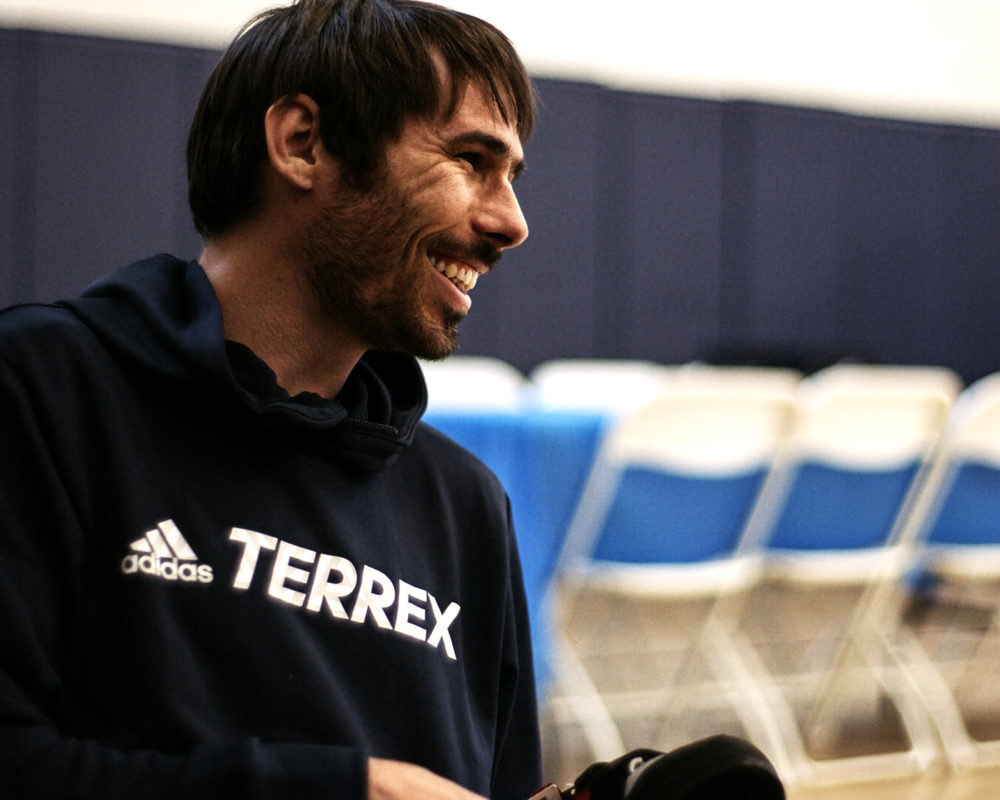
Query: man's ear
x=291, y=128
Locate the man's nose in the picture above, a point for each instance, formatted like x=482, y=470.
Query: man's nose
x=500, y=218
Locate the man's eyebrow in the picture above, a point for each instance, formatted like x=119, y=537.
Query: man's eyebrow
x=494, y=145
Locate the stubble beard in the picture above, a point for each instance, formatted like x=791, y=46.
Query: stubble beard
x=359, y=244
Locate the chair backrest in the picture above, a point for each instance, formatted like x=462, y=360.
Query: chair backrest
x=746, y=379
x=873, y=415
x=608, y=386
x=962, y=503
x=862, y=440
x=973, y=429
x=473, y=383
x=677, y=480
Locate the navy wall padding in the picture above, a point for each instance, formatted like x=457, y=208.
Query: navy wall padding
x=662, y=227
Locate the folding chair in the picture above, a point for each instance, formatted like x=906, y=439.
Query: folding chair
x=662, y=537
x=597, y=385
x=737, y=378
x=847, y=476
x=950, y=642
x=473, y=383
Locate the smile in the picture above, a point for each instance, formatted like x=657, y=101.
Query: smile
x=463, y=277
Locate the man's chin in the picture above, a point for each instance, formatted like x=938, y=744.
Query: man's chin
x=436, y=351
x=440, y=342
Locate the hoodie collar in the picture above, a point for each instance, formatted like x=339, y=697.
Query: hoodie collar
x=161, y=314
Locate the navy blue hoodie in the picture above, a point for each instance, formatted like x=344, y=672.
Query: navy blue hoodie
x=210, y=589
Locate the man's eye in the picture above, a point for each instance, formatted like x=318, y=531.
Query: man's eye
x=474, y=159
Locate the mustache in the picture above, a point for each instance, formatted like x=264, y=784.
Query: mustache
x=480, y=252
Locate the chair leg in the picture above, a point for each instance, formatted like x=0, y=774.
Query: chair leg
x=760, y=706
x=938, y=699
x=585, y=703
x=864, y=637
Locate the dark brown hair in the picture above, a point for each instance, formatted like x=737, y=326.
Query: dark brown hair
x=368, y=64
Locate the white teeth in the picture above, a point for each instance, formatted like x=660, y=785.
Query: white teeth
x=463, y=277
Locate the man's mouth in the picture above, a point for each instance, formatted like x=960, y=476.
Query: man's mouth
x=462, y=276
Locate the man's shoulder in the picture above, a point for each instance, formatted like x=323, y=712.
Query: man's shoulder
x=444, y=451
x=44, y=344
x=442, y=444
x=75, y=323
x=38, y=324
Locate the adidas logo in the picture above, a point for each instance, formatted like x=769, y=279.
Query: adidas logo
x=164, y=553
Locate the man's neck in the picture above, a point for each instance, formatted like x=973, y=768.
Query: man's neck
x=267, y=306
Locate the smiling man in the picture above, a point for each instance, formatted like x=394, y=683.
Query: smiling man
x=388, y=266
x=233, y=560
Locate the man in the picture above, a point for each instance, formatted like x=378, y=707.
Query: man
x=233, y=561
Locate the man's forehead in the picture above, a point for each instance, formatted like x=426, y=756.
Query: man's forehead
x=478, y=117
x=470, y=94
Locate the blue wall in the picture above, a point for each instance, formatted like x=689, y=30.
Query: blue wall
x=662, y=227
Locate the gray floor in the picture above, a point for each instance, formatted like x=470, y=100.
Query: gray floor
x=662, y=697
x=983, y=784
x=973, y=784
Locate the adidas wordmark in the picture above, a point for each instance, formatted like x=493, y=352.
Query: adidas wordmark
x=164, y=553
